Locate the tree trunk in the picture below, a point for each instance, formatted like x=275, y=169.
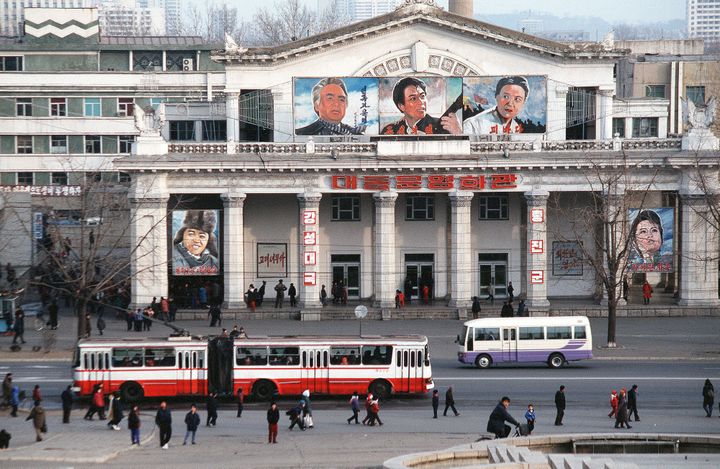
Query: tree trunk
x=80, y=309
x=612, y=324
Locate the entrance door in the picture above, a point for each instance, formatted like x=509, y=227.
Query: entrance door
x=188, y=375
x=419, y=270
x=315, y=374
x=346, y=268
x=509, y=345
x=493, y=275
x=98, y=364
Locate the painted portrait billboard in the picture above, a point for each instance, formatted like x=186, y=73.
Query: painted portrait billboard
x=195, y=242
x=504, y=105
x=651, y=239
x=420, y=105
x=335, y=106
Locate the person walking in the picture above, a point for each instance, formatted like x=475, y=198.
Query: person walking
x=355, y=408
x=511, y=292
x=399, y=299
x=307, y=409
x=260, y=294
x=53, y=310
x=67, y=399
x=7, y=388
x=375, y=412
x=647, y=291
x=273, y=417
x=621, y=419
x=323, y=296
x=632, y=403
x=530, y=418
x=134, y=425
x=97, y=404
x=498, y=417
x=708, y=394
x=560, y=405
x=295, y=414
x=163, y=419
x=450, y=402
x=14, y=400
x=215, y=315
x=279, y=294
x=475, y=307
x=435, y=402
x=241, y=401
x=116, y=412
x=211, y=410
x=37, y=415
x=19, y=326
x=100, y=324
x=368, y=401
x=88, y=326
x=192, y=422
x=613, y=404
x=292, y=293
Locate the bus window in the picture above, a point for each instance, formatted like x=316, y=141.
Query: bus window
x=251, y=356
x=85, y=361
x=580, y=332
x=92, y=361
x=531, y=333
x=376, y=354
x=427, y=356
x=180, y=360
x=76, y=357
x=160, y=357
x=419, y=358
x=487, y=333
x=412, y=359
x=122, y=357
x=344, y=355
x=562, y=332
x=283, y=356
x=405, y=358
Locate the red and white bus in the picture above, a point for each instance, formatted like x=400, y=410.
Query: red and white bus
x=261, y=366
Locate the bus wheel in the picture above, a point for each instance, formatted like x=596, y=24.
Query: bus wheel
x=483, y=361
x=263, y=390
x=131, y=391
x=556, y=360
x=380, y=388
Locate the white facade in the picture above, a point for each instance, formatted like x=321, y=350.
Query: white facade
x=703, y=19
x=12, y=12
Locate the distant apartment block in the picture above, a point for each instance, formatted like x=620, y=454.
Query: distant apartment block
x=703, y=19
x=359, y=10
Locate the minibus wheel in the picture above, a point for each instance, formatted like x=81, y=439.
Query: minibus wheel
x=556, y=360
x=483, y=361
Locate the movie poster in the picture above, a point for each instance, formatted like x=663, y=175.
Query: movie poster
x=650, y=247
x=195, y=242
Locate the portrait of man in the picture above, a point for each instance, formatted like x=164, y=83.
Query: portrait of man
x=330, y=103
x=195, y=243
x=650, y=244
x=511, y=94
x=410, y=96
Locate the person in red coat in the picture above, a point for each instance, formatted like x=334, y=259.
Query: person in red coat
x=647, y=292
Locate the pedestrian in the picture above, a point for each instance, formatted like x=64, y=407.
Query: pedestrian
x=407, y=290
x=134, y=425
x=295, y=414
x=279, y=294
x=37, y=415
x=67, y=398
x=450, y=402
x=148, y=316
x=53, y=309
x=307, y=409
x=97, y=404
x=260, y=294
x=7, y=388
x=560, y=405
x=215, y=315
x=273, y=417
x=163, y=419
x=292, y=293
x=19, y=326
x=355, y=408
x=530, y=418
x=202, y=296
x=139, y=321
x=498, y=417
x=173, y=309
x=426, y=294
x=399, y=299
x=211, y=410
x=250, y=297
x=507, y=310
x=36, y=394
x=375, y=412
x=435, y=402
x=368, y=401
x=632, y=403
x=164, y=309
x=192, y=422
x=475, y=307
x=621, y=419
x=625, y=288
x=14, y=400
x=323, y=296
x=522, y=310
x=100, y=324
x=511, y=292
x=708, y=394
x=613, y=404
x=88, y=327
x=647, y=292
x=241, y=400
x=129, y=317
x=115, y=414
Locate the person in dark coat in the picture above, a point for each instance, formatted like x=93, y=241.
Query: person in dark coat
x=498, y=417
x=507, y=310
x=273, y=417
x=215, y=315
x=511, y=292
x=116, y=410
x=67, y=398
x=211, y=410
x=163, y=419
x=708, y=394
x=355, y=407
x=621, y=420
x=241, y=399
x=14, y=400
x=522, y=310
x=295, y=415
x=53, y=310
x=279, y=294
x=292, y=293
x=192, y=422
x=450, y=402
x=632, y=403
x=134, y=425
x=37, y=415
x=560, y=405
x=260, y=294
x=435, y=402
x=100, y=324
x=475, y=307
x=407, y=290
x=19, y=326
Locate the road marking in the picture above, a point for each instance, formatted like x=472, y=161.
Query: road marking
x=573, y=378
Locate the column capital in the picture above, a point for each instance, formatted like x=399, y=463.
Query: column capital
x=309, y=198
x=233, y=200
x=537, y=198
x=385, y=198
x=461, y=198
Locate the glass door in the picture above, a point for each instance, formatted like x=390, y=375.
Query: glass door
x=493, y=275
x=346, y=269
x=419, y=270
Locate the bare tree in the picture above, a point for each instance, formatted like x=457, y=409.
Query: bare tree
x=290, y=20
x=213, y=22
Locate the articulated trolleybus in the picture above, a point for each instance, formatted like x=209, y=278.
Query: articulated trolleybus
x=553, y=340
x=261, y=366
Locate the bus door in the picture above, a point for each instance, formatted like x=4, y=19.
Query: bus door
x=314, y=371
x=188, y=365
x=509, y=344
x=97, y=363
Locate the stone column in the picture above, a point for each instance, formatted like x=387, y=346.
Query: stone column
x=308, y=285
x=148, y=249
x=698, y=253
x=460, y=249
x=232, y=115
x=537, y=250
x=384, y=249
x=605, y=117
x=234, y=250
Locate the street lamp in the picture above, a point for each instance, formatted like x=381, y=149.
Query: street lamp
x=360, y=312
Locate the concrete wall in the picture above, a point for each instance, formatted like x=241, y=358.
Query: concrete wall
x=15, y=231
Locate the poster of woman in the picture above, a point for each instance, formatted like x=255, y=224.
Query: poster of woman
x=650, y=247
x=195, y=242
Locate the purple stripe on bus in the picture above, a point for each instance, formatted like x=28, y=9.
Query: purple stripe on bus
x=526, y=356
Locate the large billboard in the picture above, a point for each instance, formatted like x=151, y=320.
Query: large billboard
x=195, y=242
x=421, y=105
x=651, y=239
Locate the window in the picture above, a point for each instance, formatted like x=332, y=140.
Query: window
x=125, y=143
x=93, y=177
x=23, y=107
x=487, y=333
x=24, y=144
x=558, y=333
x=182, y=130
x=696, y=94
x=124, y=357
x=344, y=355
x=125, y=106
x=252, y=356
x=580, y=332
x=155, y=103
x=25, y=179
x=58, y=179
x=420, y=207
x=123, y=177
x=214, y=131
x=93, y=144
x=493, y=207
x=11, y=64
x=654, y=91
x=284, y=356
x=618, y=124
x=531, y=333
x=346, y=208
x=58, y=144
x=159, y=357
x=376, y=354
x=58, y=107
x=644, y=127
x=92, y=107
